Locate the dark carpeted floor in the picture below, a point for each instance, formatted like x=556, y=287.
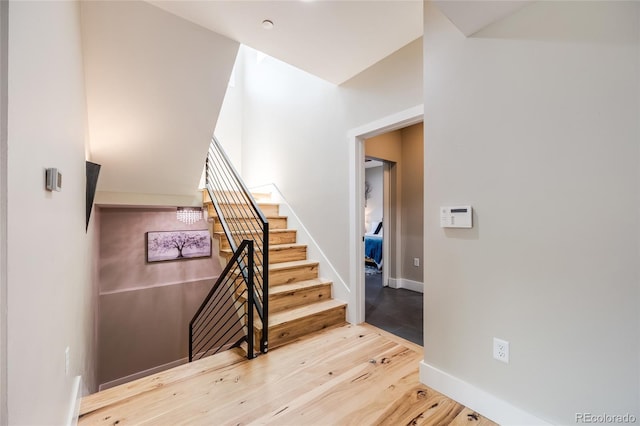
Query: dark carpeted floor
x=397, y=311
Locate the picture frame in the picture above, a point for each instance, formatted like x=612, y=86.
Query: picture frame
x=163, y=246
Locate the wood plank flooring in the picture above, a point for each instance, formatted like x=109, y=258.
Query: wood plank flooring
x=347, y=375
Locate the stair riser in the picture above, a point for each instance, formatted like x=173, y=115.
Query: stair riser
x=285, y=333
x=287, y=254
x=244, y=211
x=246, y=224
x=297, y=298
x=279, y=255
x=299, y=273
x=288, y=237
x=290, y=300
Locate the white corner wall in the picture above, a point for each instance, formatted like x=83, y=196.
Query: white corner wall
x=155, y=85
x=4, y=44
x=49, y=278
x=534, y=122
x=229, y=126
x=295, y=134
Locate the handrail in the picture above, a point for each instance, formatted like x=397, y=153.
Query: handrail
x=215, y=145
x=207, y=332
x=241, y=219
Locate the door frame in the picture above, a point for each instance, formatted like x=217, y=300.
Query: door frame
x=356, y=138
x=386, y=229
x=386, y=188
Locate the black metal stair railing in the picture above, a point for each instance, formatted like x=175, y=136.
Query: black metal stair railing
x=219, y=323
x=241, y=219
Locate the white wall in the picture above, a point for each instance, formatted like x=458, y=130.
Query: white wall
x=229, y=126
x=49, y=278
x=534, y=122
x=295, y=135
x=4, y=19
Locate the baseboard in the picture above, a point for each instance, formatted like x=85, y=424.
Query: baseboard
x=476, y=399
x=406, y=284
x=74, y=405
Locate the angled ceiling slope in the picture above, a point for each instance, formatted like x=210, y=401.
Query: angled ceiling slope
x=473, y=15
x=155, y=85
x=334, y=40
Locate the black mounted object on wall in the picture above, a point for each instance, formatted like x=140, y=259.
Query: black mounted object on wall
x=93, y=170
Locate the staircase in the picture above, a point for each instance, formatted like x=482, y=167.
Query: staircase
x=299, y=300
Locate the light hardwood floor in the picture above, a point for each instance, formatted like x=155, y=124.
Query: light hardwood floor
x=346, y=375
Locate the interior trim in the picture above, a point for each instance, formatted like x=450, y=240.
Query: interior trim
x=490, y=406
x=416, y=286
x=74, y=406
x=356, y=138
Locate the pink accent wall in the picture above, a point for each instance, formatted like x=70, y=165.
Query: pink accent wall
x=123, y=257
x=145, y=308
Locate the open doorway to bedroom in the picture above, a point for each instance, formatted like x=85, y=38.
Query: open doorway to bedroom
x=393, y=242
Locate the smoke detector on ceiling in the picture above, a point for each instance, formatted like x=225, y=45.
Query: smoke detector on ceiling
x=267, y=24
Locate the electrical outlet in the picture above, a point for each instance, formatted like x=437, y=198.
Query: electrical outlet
x=501, y=350
x=416, y=261
x=67, y=355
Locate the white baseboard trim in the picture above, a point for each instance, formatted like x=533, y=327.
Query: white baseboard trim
x=476, y=399
x=74, y=405
x=406, y=284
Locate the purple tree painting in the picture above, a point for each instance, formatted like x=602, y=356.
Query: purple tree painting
x=175, y=245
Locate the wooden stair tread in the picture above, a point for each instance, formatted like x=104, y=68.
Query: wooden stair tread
x=292, y=265
x=298, y=285
x=258, y=196
x=285, y=246
x=283, y=266
x=259, y=203
x=282, y=289
x=273, y=247
x=291, y=315
x=268, y=217
x=271, y=231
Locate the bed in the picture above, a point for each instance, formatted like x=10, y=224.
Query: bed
x=373, y=249
x=373, y=245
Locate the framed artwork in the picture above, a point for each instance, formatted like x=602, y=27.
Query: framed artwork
x=177, y=245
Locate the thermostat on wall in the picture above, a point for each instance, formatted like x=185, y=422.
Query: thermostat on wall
x=456, y=217
x=53, y=179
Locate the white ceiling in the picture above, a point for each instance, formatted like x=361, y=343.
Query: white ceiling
x=152, y=89
x=334, y=40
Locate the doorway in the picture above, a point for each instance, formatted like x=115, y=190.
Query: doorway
x=356, y=137
x=376, y=210
x=393, y=215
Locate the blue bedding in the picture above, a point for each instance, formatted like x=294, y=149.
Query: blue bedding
x=373, y=248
